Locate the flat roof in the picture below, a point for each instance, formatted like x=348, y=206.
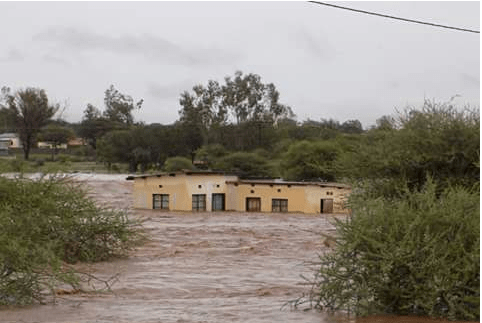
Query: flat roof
x=285, y=183
x=183, y=172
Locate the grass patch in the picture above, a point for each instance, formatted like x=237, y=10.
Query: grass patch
x=63, y=164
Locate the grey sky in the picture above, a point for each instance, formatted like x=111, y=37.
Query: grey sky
x=325, y=62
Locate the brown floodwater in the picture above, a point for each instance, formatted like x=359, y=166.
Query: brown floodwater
x=201, y=267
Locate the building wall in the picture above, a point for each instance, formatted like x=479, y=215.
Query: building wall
x=181, y=187
x=13, y=141
x=301, y=198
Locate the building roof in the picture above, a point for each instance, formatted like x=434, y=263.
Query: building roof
x=270, y=181
x=183, y=172
x=8, y=135
x=281, y=182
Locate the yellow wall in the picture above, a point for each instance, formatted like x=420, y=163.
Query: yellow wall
x=181, y=187
x=301, y=198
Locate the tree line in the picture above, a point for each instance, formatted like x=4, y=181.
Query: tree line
x=240, y=125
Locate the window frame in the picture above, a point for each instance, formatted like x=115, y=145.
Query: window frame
x=279, y=205
x=199, y=202
x=162, y=203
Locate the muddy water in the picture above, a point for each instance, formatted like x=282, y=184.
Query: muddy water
x=201, y=267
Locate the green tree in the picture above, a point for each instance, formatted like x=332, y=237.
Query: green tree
x=119, y=107
x=177, y=163
x=437, y=140
x=211, y=109
x=117, y=146
x=245, y=164
x=94, y=125
x=31, y=111
x=351, y=126
x=310, y=160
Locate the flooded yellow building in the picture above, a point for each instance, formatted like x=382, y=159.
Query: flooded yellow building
x=216, y=191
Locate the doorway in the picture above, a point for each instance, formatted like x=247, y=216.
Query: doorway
x=326, y=206
x=253, y=204
x=218, y=202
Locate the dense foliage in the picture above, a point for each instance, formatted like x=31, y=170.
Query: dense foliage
x=417, y=255
x=46, y=224
x=412, y=243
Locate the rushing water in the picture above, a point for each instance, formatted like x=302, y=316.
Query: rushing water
x=208, y=267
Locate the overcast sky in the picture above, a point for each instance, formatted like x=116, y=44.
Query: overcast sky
x=325, y=62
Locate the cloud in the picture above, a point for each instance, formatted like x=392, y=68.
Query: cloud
x=13, y=55
x=170, y=90
x=470, y=80
x=316, y=47
x=149, y=46
x=55, y=60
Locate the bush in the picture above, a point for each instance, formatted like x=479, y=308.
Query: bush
x=177, y=163
x=417, y=255
x=245, y=164
x=47, y=223
x=310, y=160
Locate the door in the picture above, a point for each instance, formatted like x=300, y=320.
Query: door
x=218, y=201
x=253, y=204
x=326, y=206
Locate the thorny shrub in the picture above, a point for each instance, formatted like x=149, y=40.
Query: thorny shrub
x=418, y=255
x=47, y=224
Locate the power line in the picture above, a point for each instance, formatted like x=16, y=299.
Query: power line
x=393, y=17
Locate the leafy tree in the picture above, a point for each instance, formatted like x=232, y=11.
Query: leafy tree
x=210, y=153
x=247, y=98
x=56, y=135
x=306, y=160
x=116, y=116
x=177, y=163
x=94, y=125
x=119, y=107
x=245, y=164
x=351, y=126
x=438, y=140
x=31, y=111
x=385, y=123
x=203, y=107
x=117, y=146
x=7, y=120
x=211, y=109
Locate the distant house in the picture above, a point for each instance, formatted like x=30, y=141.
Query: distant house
x=216, y=191
x=8, y=141
x=76, y=142
x=72, y=143
x=48, y=145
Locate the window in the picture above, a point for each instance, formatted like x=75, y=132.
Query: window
x=279, y=205
x=199, y=202
x=160, y=201
x=253, y=204
x=218, y=202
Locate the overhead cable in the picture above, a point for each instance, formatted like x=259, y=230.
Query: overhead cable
x=397, y=18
